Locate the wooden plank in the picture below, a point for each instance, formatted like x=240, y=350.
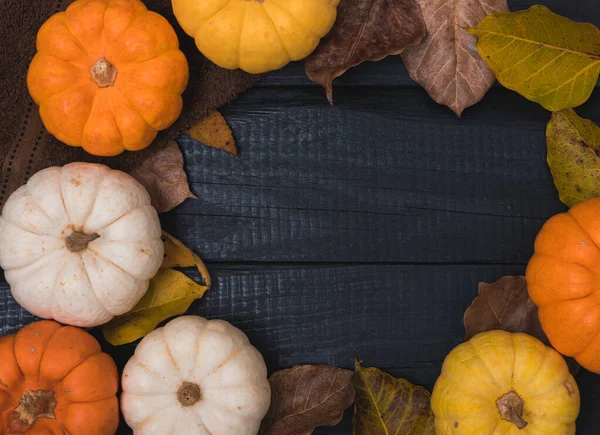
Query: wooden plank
x=388, y=176
x=403, y=319
x=389, y=315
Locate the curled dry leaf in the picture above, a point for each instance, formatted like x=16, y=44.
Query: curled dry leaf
x=305, y=397
x=388, y=405
x=164, y=178
x=212, y=130
x=446, y=62
x=574, y=156
x=504, y=305
x=546, y=58
x=170, y=293
x=365, y=30
x=179, y=255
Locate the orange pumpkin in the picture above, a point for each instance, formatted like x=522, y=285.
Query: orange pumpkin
x=563, y=278
x=55, y=380
x=108, y=75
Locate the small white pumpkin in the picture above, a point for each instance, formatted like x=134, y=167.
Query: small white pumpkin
x=79, y=244
x=195, y=377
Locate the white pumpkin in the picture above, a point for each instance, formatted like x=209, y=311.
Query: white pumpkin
x=195, y=377
x=79, y=244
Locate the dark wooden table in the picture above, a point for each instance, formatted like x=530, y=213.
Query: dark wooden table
x=365, y=228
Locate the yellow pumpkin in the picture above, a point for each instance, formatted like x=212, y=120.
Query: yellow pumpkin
x=502, y=383
x=256, y=35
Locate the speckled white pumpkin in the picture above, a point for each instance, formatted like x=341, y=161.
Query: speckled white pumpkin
x=195, y=377
x=79, y=244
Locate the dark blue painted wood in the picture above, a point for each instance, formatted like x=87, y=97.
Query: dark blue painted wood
x=364, y=228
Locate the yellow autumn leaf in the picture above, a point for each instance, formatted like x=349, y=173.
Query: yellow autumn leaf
x=212, y=130
x=388, y=405
x=170, y=293
x=546, y=58
x=573, y=156
x=179, y=255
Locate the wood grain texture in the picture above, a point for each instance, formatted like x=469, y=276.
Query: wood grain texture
x=365, y=228
x=391, y=316
x=403, y=319
x=388, y=176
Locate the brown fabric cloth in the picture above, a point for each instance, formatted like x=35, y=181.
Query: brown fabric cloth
x=26, y=147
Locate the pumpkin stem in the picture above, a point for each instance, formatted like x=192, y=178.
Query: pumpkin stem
x=32, y=405
x=78, y=241
x=103, y=73
x=188, y=394
x=510, y=407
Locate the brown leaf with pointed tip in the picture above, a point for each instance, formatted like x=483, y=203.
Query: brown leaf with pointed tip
x=388, y=405
x=305, y=397
x=446, y=63
x=505, y=305
x=164, y=178
x=365, y=30
x=212, y=130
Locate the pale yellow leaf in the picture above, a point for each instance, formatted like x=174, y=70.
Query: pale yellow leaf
x=170, y=293
x=179, y=255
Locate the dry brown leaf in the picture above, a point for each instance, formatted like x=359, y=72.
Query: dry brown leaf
x=164, y=178
x=365, y=30
x=212, y=130
x=388, y=405
x=446, y=63
x=505, y=305
x=305, y=397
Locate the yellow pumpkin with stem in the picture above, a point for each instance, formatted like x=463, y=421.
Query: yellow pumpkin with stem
x=500, y=383
x=256, y=35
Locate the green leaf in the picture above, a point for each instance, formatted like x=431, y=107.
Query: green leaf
x=385, y=405
x=170, y=293
x=546, y=58
x=573, y=156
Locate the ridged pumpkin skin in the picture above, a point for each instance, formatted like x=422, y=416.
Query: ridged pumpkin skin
x=195, y=377
x=256, y=35
x=496, y=369
x=81, y=102
x=79, y=244
x=74, y=383
x=562, y=279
